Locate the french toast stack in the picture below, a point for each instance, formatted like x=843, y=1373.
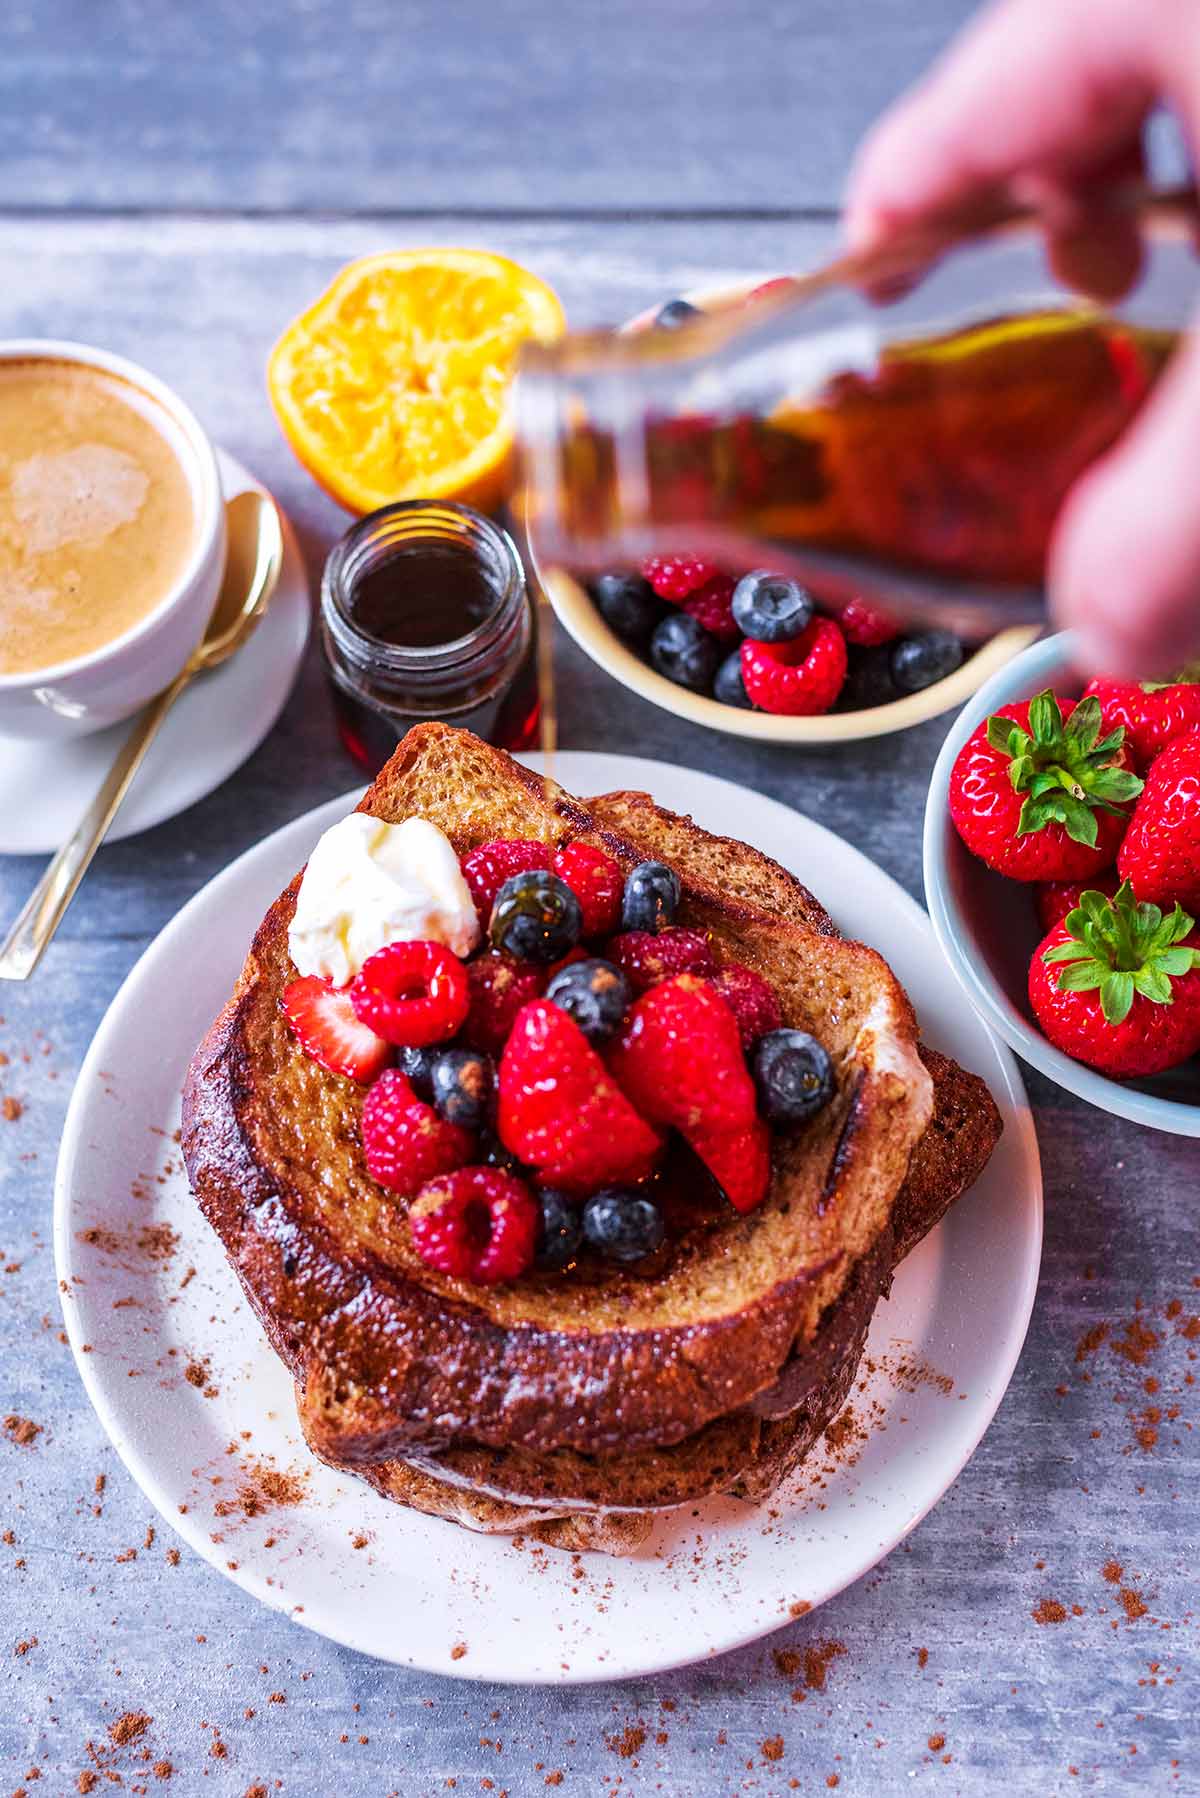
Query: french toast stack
x=575, y=1407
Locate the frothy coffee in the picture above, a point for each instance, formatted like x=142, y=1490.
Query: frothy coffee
x=97, y=516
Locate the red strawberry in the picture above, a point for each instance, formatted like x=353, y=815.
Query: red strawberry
x=867, y=625
x=798, y=679
x=486, y=869
x=739, y=1161
x=1117, y=985
x=479, y=1224
x=324, y=1024
x=645, y=957
x=596, y=881
x=674, y=577
x=405, y=1142
x=1038, y=794
x=751, y=999
x=679, y=1058
x=1055, y=898
x=710, y=606
x=561, y=1111
x=499, y=987
x=412, y=993
x=1161, y=850
x=1153, y=713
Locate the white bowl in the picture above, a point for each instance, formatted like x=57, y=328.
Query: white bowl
x=69, y=699
x=577, y=612
x=988, y=927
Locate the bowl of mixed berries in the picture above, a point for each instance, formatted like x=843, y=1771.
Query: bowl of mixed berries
x=1062, y=875
x=748, y=651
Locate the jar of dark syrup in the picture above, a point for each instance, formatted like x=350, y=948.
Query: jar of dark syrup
x=425, y=614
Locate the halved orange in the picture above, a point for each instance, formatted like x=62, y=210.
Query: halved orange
x=392, y=385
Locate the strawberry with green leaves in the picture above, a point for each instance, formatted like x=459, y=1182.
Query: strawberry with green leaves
x=1152, y=713
x=1117, y=985
x=1160, y=852
x=1039, y=793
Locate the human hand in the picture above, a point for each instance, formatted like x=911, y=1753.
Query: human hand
x=1043, y=105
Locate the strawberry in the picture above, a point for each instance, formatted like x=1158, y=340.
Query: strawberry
x=323, y=1022
x=679, y=1058
x=561, y=1111
x=1161, y=850
x=1038, y=794
x=1055, y=898
x=800, y=678
x=752, y=1000
x=867, y=626
x=1153, y=713
x=596, y=881
x=1117, y=985
x=646, y=957
x=739, y=1161
x=404, y=1140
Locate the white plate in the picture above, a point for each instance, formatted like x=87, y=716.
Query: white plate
x=723, y=1575
x=219, y=721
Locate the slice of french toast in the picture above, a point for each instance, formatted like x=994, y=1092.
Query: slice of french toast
x=714, y=1350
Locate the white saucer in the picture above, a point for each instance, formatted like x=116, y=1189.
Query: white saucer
x=220, y=720
x=424, y=1593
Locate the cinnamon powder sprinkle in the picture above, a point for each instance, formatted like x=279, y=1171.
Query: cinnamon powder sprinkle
x=628, y=1742
x=816, y=1663
x=772, y=1748
x=21, y=1430
x=12, y=1109
x=1048, y=1610
x=87, y=1781
x=458, y=1651
x=936, y=1744
x=1131, y=1604
x=129, y=1727
x=1112, y=1572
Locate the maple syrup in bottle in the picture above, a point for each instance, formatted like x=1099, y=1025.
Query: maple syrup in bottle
x=425, y=614
x=904, y=429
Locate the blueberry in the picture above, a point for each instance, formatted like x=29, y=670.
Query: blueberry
x=561, y=1230
x=729, y=687
x=918, y=662
x=418, y=1065
x=676, y=313
x=651, y=897
x=535, y=917
x=594, y=993
x=794, y=1077
x=493, y=1153
x=682, y=649
x=868, y=679
x=463, y=1083
x=622, y=1225
x=628, y=605
x=770, y=608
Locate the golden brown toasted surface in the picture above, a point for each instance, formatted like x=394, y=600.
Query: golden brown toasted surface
x=392, y=1356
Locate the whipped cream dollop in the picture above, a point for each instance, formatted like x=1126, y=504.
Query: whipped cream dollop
x=367, y=884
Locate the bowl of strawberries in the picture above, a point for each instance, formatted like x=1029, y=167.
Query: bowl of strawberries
x=1062, y=876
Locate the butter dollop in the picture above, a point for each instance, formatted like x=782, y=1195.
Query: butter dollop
x=367, y=884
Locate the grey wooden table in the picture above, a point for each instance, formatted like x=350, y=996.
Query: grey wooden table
x=174, y=182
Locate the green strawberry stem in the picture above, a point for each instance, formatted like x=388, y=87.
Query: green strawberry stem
x=1066, y=770
x=1123, y=948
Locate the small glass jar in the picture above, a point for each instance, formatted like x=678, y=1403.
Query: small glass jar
x=425, y=614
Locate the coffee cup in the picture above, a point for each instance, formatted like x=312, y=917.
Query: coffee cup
x=112, y=537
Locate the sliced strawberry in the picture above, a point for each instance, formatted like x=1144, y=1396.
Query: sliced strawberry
x=324, y=1024
x=561, y=1112
x=679, y=1058
x=739, y=1161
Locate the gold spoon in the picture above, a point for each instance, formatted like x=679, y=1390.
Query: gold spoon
x=252, y=567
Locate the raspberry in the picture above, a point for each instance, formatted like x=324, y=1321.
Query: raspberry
x=710, y=606
x=486, y=869
x=674, y=577
x=679, y=1058
x=798, y=679
x=867, y=625
x=739, y=1161
x=751, y=1000
x=645, y=958
x=412, y=994
x=479, y=1224
x=561, y=1111
x=597, y=883
x=499, y=987
x=404, y=1140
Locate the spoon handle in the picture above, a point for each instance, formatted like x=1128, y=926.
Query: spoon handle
x=43, y=911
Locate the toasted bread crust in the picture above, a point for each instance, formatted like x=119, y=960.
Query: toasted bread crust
x=391, y=1358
